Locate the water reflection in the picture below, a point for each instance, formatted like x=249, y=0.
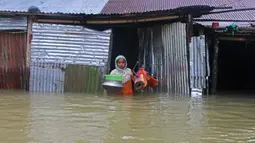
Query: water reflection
x=60, y=118
x=73, y=118
x=230, y=119
x=14, y=117
x=197, y=118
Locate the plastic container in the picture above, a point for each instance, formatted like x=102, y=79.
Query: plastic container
x=113, y=77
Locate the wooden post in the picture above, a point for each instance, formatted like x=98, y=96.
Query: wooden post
x=29, y=41
x=207, y=53
x=215, y=64
x=28, y=51
x=189, y=34
x=110, y=52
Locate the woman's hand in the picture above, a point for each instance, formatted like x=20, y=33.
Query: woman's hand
x=132, y=76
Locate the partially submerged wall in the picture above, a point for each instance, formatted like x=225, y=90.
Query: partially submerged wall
x=13, y=39
x=163, y=52
x=56, y=47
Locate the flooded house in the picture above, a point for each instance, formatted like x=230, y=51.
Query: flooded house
x=164, y=42
x=229, y=40
x=45, y=48
x=69, y=49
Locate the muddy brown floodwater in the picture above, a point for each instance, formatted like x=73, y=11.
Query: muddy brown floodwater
x=76, y=118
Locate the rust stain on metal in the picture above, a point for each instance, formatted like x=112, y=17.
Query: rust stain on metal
x=13, y=72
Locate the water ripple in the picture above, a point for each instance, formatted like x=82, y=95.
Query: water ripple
x=109, y=119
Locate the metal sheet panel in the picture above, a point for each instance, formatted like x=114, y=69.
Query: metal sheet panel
x=139, y=6
x=13, y=23
x=46, y=77
x=55, y=6
x=176, y=63
x=13, y=72
x=69, y=44
x=56, y=46
x=198, y=63
x=163, y=51
x=234, y=16
x=150, y=53
x=136, y=6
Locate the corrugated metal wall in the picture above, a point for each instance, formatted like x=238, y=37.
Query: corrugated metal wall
x=163, y=51
x=13, y=72
x=199, y=62
x=13, y=23
x=176, y=65
x=69, y=44
x=151, y=53
x=47, y=77
x=54, y=44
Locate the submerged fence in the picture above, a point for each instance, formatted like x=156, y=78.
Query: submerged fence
x=58, y=77
x=46, y=77
x=82, y=78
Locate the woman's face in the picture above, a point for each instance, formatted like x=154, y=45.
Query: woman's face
x=121, y=63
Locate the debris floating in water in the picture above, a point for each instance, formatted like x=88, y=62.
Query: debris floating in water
x=128, y=137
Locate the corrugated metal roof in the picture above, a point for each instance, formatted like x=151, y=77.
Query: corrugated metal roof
x=55, y=6
x=236, y=15
x=137, y=6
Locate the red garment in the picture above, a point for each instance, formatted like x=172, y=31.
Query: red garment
x=127, y=89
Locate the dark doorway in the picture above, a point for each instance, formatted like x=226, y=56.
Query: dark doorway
x=236, y=66
x=125, y=42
